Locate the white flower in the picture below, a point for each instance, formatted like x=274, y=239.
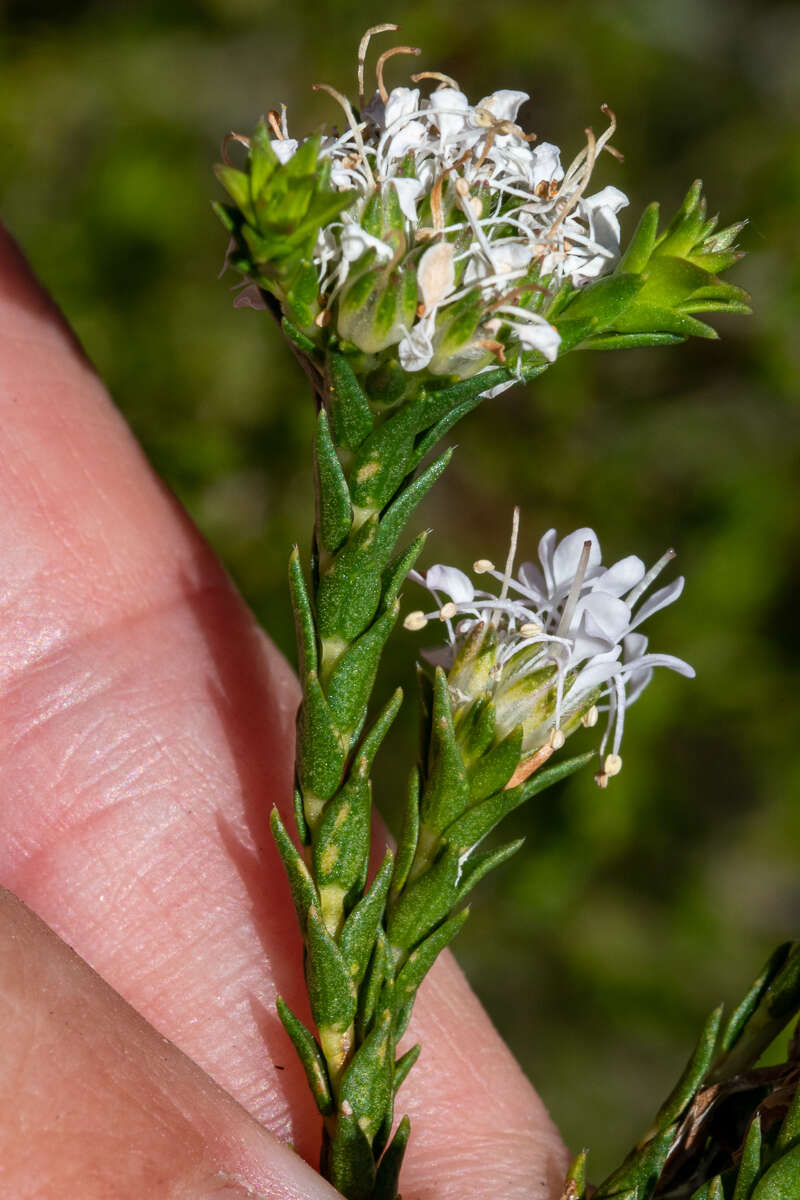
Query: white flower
x=483, y=212
x=556, y=645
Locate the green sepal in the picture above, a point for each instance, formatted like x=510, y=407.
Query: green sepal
x=361, y=927
x=672, y=281
x=237, y=185
x=351, y=419
x=475, y=730
x=330, y=988
x=492, y=772
x=297, y=337
x=341, y=845
x=403, y=1066
x=641, y=246
x=446, y=790
x=303, y=616
x=334, y=511
x=421, y=960
x=602, y=302
x=474, y=869
x=377, y=974
x=352, y=679
x=395, y=574
x=347, y=1159
x=263, y=160
x=367, y=1082
x=681, y=235
x=320, y=757
x=310, y=1055
x=647, y=318
x=423, y=904
x=750, y=1162
x=641, y=1169
x=388, y=1174
x=476, y=822
x=409, y=837
x=780, y=1181
x=302, y=886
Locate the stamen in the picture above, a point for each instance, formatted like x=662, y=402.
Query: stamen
x=574, y=592
x=512, y=553
x=445, y=79
x=612, y=765
x=591, y=152
x=448, y=611
x=601, y=779
x=362, y=54
x=415, y=621
x=530, y=629
x=557, y=738
x=275, y=126
x=351, y=121
x=647, y=579
x=383, y=58
x=590, y=717
x=226, y=141
x=482, y=566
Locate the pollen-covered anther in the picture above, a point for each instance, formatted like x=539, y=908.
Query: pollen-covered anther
x=601, y=779
x=415, y=621
x=482, y=565
x=557, y=738
x=530, y=629
x=448, y=611
x=590, y=717
x=612, y=765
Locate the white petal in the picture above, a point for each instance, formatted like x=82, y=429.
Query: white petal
x=503, y=105
x=567, y=556
x=284, y=148
x=592, y=676
x=451, y=581
x=450, y=108
x=355, y=240
x=410, y=137
x=665, y=660
x=547, y=544
x=546, y=163
x=408, y=192
x=634, y=646
x=660, y=599
x=532, y=581
x=605, y=615
x=620, y=577
x=415, y=350
x=401, y=103
x=538, y=336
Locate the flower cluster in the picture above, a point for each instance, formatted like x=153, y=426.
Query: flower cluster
x=558, y=645
x=461, y=228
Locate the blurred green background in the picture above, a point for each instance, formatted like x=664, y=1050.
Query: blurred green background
x=630, y=912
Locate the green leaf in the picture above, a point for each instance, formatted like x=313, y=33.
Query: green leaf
x=492, y=772
x=475, y=728
x=395, y=574
x=378, y=971
x=778, y=1004
x=361, y=927
x=446, y=790
x=347, y=1160
x=641, y=1168
x=396, y=516
x=330, y=987
x=334, y=511
x=389, y=1169
x=744, y=1011
x=380, y=727
x=301, y=824
x=310, y=1055
x=351, y=419
x=341, y=845
x=631, y=341
x=237, y=185
x=349, y=591
x=681, y=235
x=423, y=904
x=303, y=616
x=684, y=1091
x=367, y=1083
x=263, y=159
x=352, y=679
x=320, y=757
x=671, y=281
x=421, y=960
x=299, y=339
x=478, y=865
x=575, y=1179
x=384, y=459
x=640, y=247
x=652, y=318
x=789, y=1132
x=781, y=1180
x=602, y=302
x=404, y=1065
x=750, y=1162
x=407, y=846
x=302, y=886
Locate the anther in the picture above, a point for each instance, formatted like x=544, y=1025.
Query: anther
x=390, y=54
x=482, y=565
x=274, y=124
x=447, y=80
x=530, y=629
x=612, y=765
x=601, y=779
x=557, y=738
x=590, y=717
x=415, y=621
x=448, y=611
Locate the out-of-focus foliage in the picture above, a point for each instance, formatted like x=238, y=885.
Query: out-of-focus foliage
x=630, y=911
